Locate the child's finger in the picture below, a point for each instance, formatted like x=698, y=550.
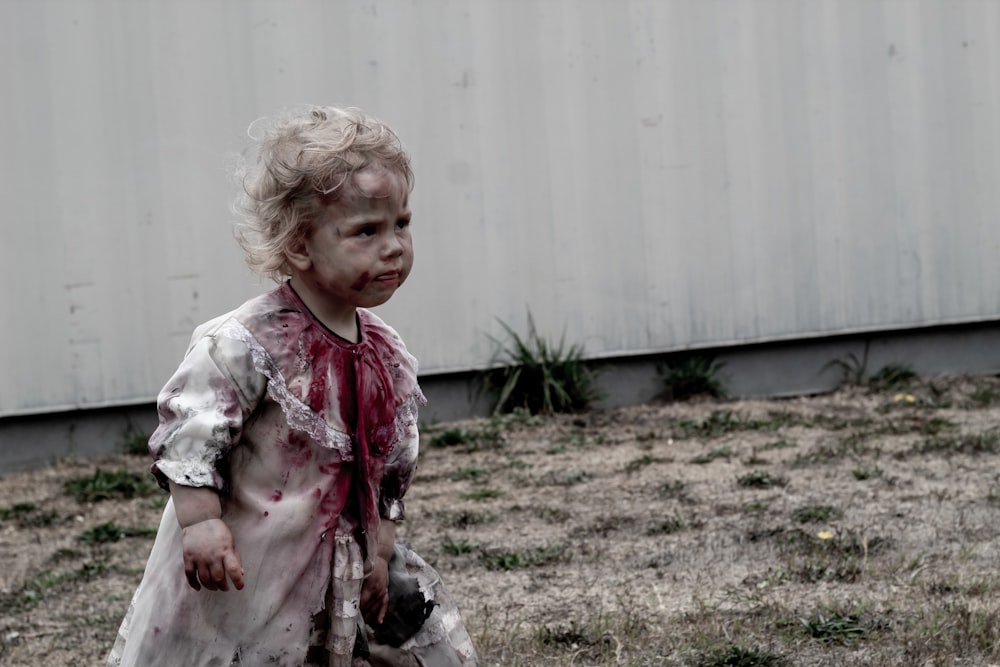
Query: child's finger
x=234, y=568
x=205, y=576
x=384, y=607
x=217, y=570
x=192, y=575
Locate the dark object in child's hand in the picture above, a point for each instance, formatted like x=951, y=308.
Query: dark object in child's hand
x=407, y=607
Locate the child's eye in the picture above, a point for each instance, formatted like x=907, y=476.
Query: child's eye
x=402, y=223
x=367, y=230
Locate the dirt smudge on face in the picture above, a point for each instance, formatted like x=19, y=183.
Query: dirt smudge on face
x=361, y=282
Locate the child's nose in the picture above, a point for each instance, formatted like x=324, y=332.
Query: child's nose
x=393, y=247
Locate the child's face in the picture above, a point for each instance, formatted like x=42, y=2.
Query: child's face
x=359, y=251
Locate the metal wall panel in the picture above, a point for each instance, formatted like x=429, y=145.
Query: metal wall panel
x=643, y=175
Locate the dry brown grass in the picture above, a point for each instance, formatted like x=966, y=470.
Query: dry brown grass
x=854, y=528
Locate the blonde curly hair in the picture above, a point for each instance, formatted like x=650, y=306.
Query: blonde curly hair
x=305, y=161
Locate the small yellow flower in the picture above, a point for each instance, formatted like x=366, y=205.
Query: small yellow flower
x=897, y=398
x=824, y=535
x=910, y=398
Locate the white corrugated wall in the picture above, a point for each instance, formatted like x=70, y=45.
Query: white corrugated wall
x=647, y=175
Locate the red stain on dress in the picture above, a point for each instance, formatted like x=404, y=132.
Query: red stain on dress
x=276, y=496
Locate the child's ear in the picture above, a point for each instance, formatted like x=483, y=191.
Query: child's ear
x=297, y=254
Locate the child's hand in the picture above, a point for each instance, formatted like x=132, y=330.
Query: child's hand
x=210, y=555
x=375, y=593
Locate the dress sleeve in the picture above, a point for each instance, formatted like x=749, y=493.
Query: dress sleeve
x=202, y=410
x=400, y=465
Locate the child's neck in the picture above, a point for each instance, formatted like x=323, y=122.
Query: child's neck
x=342, y=321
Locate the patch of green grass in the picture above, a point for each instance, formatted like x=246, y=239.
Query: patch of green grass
x=690, y=376
x=465, y=518
x=721, y=422
x=853, y=369
x=112, y=532
x=109, y=485
x=34, y=591
x=737, y=656
x=672, y=489
x=518, y=559
x=454, y=548
x=27, y=515
x=17, y=511
x=483, y=494
x=852, y=446
x=725, y=452
x=984, y=397
x=969, y=444
x=638, y=464
x=135, y=442
x=834, y=627
x=868, y=472
x=816, y=514
x=892, y=377
x=471, y=473
x=668, y=526
x=777, y=444
x=564, y=478
x=755, y=508
x=837, y=422
x=539, y=376
x=761, y=479
x=469, y=439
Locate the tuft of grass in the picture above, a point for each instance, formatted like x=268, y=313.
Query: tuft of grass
x=971, y=444
x=638, y=464
x=816, y=514
x=538, y=376
x=853, y=369
x=517, y=559
x=134, y=441
x=761, y=479
x=483, y=494
x=721, y=422
x=984, y=397
x=892, y=377
x=717, y=453
x=465, y=518
x=691, y=376
x=868, y=472
x=454, y=548
x=112, y=532
x=668, y=526
x=105, y=485
x=672, y=489
x=469, y=439
x=834, y=627
x=854, y=372
x=737, y=656
x=27, y=515
x=32, y=592
x=471, y=473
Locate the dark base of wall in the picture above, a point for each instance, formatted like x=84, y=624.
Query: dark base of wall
x=791, y=368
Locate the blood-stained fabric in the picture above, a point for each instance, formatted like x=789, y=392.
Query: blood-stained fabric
x=310, y=440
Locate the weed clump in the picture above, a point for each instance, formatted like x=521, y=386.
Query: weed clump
x=104, y=485
x=539, y=376
x=691, y=376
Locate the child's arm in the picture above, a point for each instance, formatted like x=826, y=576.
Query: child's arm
x=375, y=592
x=209, y=550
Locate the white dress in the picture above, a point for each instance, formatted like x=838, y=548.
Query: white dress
x=310, y=441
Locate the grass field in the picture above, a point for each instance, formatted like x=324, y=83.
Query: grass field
x=854, y=528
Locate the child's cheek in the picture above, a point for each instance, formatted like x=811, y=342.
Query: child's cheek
x=362, y=282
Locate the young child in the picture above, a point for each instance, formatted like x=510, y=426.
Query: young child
x=288, y=436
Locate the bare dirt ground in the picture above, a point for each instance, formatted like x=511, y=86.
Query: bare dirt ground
x=855, y=528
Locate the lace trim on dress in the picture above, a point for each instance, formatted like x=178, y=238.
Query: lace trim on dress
x=299, y=415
